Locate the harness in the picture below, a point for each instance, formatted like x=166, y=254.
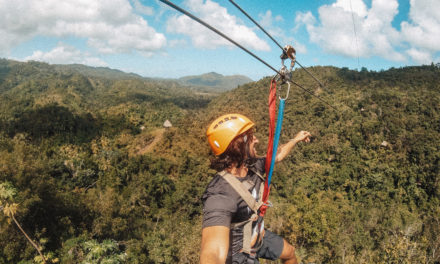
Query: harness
x=242, y=189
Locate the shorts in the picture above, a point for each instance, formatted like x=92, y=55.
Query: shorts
x=271, y=249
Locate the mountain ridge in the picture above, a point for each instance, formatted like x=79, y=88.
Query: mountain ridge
x=206, y=82
x=215, y=80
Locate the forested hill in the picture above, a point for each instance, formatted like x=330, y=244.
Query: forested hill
x=90, y=174
x=214, y=81
x=32, y=93
x=367, y=188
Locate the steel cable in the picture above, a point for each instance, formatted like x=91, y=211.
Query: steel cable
x=240, y=46
x=262, y=29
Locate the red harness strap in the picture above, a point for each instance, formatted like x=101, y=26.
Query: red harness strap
x=272, y=113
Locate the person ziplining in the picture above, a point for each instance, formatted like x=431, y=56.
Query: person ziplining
x=236, y=199
x=233, y=226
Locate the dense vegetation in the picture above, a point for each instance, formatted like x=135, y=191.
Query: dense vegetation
x=72, y=173
x=214, y=82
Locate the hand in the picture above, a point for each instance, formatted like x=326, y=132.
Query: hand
x=302, y=136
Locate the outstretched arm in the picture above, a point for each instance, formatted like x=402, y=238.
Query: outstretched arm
x=215, y=245
x=285, y=149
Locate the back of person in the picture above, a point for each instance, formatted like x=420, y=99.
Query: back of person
x=224, y=206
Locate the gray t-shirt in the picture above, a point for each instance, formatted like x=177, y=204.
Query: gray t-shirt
x=222, y=205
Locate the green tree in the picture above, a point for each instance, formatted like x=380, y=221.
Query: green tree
x=10, y=208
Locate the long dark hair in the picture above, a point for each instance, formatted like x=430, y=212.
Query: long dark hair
x=236, y=154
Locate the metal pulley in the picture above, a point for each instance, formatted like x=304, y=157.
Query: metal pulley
x=284, y=75
x=288, y=52
x=291, y=53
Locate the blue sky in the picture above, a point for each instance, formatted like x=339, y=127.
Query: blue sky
x=153, y=40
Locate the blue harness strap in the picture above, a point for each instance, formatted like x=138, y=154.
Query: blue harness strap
x=277, y=138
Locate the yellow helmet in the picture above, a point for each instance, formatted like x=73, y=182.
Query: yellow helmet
x=224, y=129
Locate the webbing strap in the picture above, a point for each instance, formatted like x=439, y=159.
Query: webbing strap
x=235, y=225
x=247, y=233
x=247, y=237
x=269, y=152
x=272, y=113
x=240, y=188
x=277, y=138
x=272, y=145
x=242, y=191
x=274, y=154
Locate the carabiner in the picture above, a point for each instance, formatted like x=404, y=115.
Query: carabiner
x=268, y=204
x=284, y=75
x=281, y=75
x=288, y=90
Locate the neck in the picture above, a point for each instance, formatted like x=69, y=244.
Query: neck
x=238, y=172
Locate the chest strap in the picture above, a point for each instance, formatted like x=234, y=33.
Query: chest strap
x=242, y=191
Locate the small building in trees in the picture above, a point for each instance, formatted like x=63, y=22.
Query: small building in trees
x=385, y=144
x=167, y=124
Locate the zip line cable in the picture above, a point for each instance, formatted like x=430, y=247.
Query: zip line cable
x=284, y=52
x=240, y=46
x=355, y=35
x=312, y=94
x=262, y=29
x=218, y=32
x=255, y=22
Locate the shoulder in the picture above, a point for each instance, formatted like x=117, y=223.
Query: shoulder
x=221, y=190
x=219, y=186
x=220, y=202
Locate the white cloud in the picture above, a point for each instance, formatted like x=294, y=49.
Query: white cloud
x=423, y=32
x=357, y=6
x=110, y=26
x=375, y=35
x=363, y=32
x=65, y=54
x=266, y=21
x=217, y=16
x=300, y=48
x=177, y=43
x=304, y=19
x=146, y=10
x=420, y=56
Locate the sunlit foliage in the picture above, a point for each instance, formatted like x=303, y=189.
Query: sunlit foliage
x=73, y=154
